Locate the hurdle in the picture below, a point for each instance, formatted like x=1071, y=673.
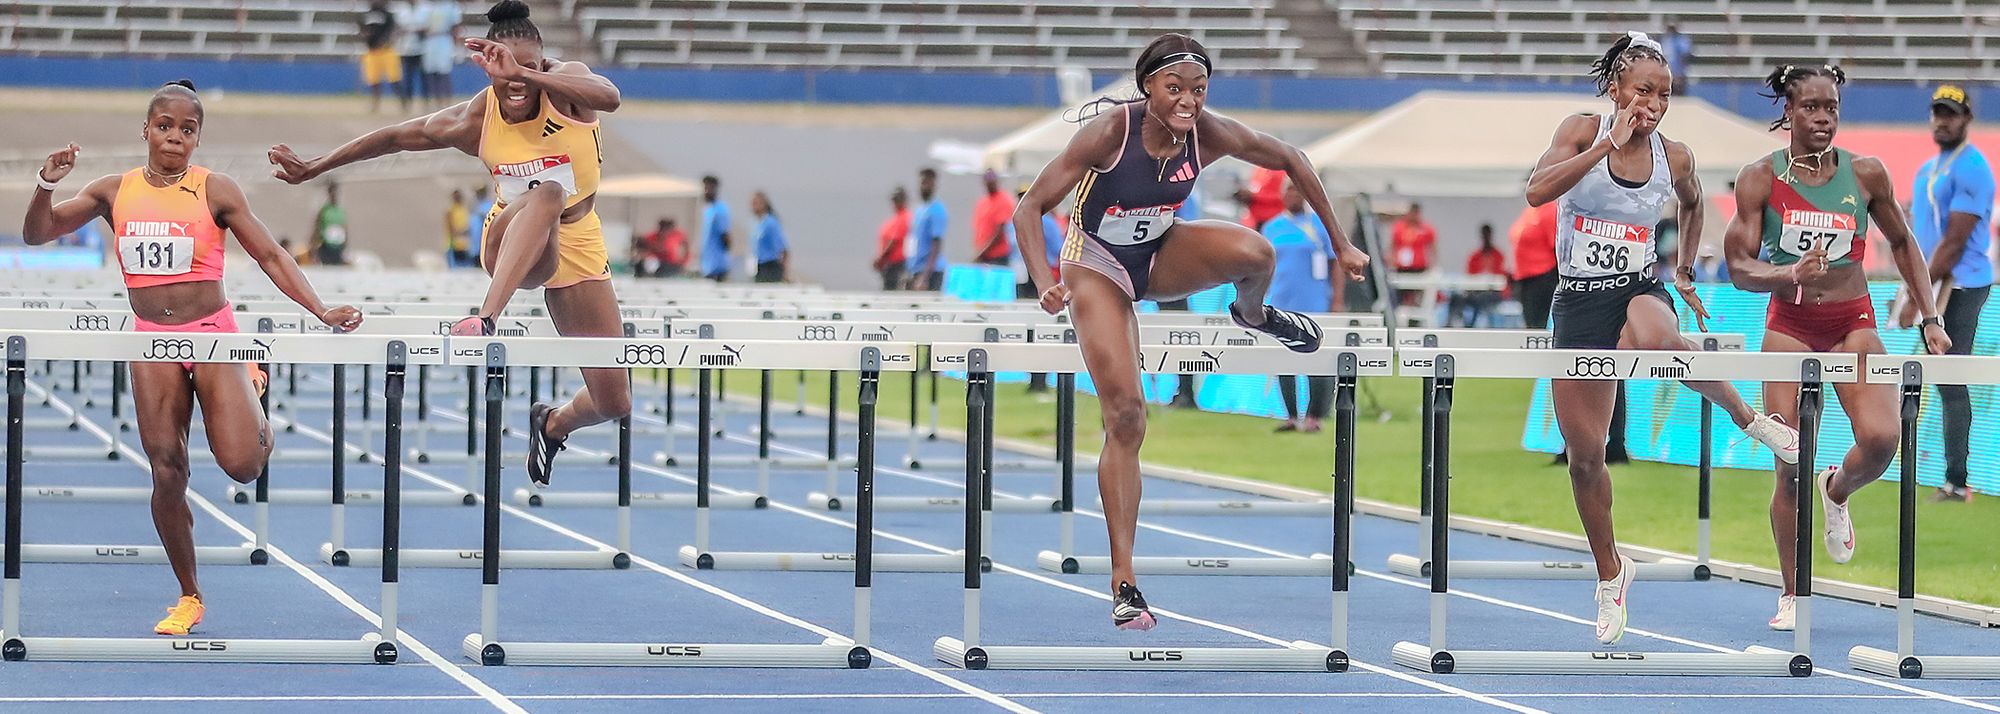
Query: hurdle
x=1912, y=374
x=968, y=652
x=488, y=648
x=865, y=357
x=1418, y=566
x=1811, y=370
x=374, y=648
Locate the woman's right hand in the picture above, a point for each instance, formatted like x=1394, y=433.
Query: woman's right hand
x=60, y=163
x=291, y=169
x=1055, y=299
x=1811, y=267
x=1622, y=123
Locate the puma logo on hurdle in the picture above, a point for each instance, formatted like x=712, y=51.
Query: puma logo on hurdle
x=1209, y=363
x=260, y=353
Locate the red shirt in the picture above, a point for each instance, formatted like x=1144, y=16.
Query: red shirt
x=674, y=247
x=1534, y=238
x=889, y=243
x=1267, y=197
x=1487, y=261
x=1412, y=241
x=990, y=216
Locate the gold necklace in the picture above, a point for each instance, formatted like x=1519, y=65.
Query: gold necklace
x=1798, y=162
x=165, y=180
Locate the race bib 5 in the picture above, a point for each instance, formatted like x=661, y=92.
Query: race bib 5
x=1803, y=231
x=512, y=181
x=1603, y=246
x=1122, y=226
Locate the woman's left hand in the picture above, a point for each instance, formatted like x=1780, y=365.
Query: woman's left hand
x=496, y=59
x=1355, y=263
x=1684, y=284
x=343, y=319
x=1935, y=339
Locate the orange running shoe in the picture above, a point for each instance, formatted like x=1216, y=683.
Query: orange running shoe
x=259, y=379
x=182, y=617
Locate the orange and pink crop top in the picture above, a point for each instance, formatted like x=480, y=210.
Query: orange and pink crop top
x=166, y=235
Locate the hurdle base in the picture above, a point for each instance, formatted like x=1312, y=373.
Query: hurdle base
x=32, y=454
x=245, y=554
x=1317, y=565
x=826, y=562
x=942, y=504
x=1889, y=664
x=89, y=494
x=367, y=650
x=1298, y=657
x=607, y=499
x=1251, y=508
x=444, y=558
x=1753, y=662
x=834, y=653
x=1670, y=570
x=355, y=497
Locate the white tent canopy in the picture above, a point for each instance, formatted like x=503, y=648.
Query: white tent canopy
x=1482, y=144
x=1025, y=151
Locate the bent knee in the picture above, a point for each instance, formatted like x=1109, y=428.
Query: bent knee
x=1877, y=445
x=614, y=405
x=244, y=467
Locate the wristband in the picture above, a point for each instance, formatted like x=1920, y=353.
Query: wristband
x=44, y=184
x=1928, y=321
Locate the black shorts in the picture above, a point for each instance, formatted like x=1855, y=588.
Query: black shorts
x=1589, y=313
x=770, y=272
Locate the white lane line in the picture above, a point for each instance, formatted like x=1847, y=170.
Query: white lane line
x=138, y=459
x=731, y=696
x=739, y=600
x=1885, y=684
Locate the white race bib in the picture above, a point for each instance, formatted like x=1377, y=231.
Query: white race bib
x=1319, y=265
x=156, y=255
x=512, y=181
x=334, y=235
x=1134, y=226
x=1609, y=247
x=1804, y=230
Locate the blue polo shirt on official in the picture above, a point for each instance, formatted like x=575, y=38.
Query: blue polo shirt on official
x=1959, y=181
x=927, y=238
x=1299, y=280
x=714, y=223
x=771, y=243
x=1052, y=239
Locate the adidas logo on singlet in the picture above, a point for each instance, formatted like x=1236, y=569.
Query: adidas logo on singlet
x=550, y=127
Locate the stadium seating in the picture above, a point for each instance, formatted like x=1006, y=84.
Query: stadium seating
x=1920, y=40
x=281, y=29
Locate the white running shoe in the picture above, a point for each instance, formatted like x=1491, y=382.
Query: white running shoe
x=1772, y=431
x=1611, y=602
x=1788, y=614
x=1839, y=526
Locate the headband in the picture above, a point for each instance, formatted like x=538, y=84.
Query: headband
x=1178, y=58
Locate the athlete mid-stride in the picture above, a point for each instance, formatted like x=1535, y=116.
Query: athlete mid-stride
x=1131, y=167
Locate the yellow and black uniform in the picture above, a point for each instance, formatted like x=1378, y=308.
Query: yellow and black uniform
x=548, y=148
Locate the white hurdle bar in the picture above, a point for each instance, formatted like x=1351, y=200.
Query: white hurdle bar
x=981, y=361
x=1913, y=374
x=374, y=648
x=1417, y=565
x=1811, y=370
x=495, y=354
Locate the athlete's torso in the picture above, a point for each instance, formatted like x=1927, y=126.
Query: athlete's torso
x=1606, y=227
x=166, y=235
x=550, y=147
x=1799, y=217
x=1133, y=202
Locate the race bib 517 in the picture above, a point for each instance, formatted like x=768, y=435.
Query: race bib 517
x=1803, y=231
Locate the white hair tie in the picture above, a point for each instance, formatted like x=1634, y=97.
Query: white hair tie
x=1639, y=39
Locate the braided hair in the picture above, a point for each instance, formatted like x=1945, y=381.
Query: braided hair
x=1780, y=82
x=1164, y=51
x=509, y=20
x=1632, y=47
x=177, y=89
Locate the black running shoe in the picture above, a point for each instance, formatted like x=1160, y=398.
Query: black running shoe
x=541, y=449
x=1293, y=330
x=1129, y=611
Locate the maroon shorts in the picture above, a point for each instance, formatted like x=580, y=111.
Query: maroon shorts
x=1821, y=327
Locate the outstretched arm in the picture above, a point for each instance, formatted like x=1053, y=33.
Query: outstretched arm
x=1903, y=248
x=454, y=127
x=1230, y=137
x=569, y=83
x=232, y=211
x=1093, y=145
x=47, y=220
x=1693, y=210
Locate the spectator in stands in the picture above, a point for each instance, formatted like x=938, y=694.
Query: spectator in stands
x=889, y=240
x=410, y=24
x=990, y=244
x=1299, y=282
x=1680, y=55
x=1535, y=279
x=378, y=61
x=1487, y=260
x=774, y=253
x=329, y=234
x=482, y=210
x=1263, y=198
x=458, y=232
x=673, y=249
x=714, y=231
x=1413, y=242
x=926, y=244
x=440, y=48
x=1953, y=204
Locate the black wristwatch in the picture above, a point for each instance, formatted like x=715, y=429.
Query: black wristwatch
x=1928, y=321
